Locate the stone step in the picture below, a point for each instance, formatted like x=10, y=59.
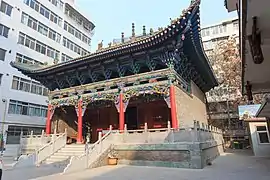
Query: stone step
x=65, y=153
x=59, y=156
x=69, y=153
x=50, y=161
x=27, y=151
x=75, y=146
x=71, y=149
x=56, y=160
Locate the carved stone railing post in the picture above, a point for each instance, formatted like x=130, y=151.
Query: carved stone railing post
x=203, y=127
x=146, y=132
x=42, y=138
x=21, y=144
x=125, y=133
x=31, y=138
x=169, y=126
x=100, y=141
x=53, y=139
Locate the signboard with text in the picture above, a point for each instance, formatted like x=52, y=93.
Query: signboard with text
x=248, y=111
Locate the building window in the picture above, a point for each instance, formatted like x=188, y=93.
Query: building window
x=38, y=46
x=202, y=32
x=1, y=76
x=14, y=132
x=222, y=28
x=80, y=20
x=205, y=32
x=41, y=28
x=6, y=8
x=57, y=3
x=208, y=45
x=215, y=30
x=26, y=85
x=2, y=54
x=74, y=47
x=26, y=60
x=75, y=32
x=65, y=58
x=4, y=30
x=262, y=134
x=235, y=25
x=44, y=11
x=27, y=109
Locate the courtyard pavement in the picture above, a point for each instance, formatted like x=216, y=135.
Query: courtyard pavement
x=237, y=165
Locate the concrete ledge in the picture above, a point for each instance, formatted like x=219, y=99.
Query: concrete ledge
x=155, y=163
x=156, y=147
x=195, y=155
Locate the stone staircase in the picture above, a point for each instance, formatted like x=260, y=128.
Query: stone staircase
x=65, y=153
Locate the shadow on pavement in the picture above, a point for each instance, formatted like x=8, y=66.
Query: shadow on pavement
x=232, y=165
x=26, y=173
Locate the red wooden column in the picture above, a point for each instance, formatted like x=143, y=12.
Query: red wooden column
x=173, y=107
x=121, y=112
x=49, y=117
x=80, y=123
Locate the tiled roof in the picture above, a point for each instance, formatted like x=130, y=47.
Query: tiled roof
x=126, y=47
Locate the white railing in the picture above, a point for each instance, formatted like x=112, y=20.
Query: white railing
x=91, y=153
x=33, y=141
x=198, y=133
x=58, y=141
x=141, y=135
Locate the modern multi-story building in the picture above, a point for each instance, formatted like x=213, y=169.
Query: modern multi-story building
x=215, y=33
x=36, y=32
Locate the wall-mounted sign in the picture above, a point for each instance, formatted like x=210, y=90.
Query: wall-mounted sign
x=248, y=111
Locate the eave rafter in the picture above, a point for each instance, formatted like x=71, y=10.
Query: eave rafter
x=135, y=67
x=106, y=72
x=92, y=75
x=150, y=62
x=70, y=80
x=46, y=83
x=121, y=69
x=80, y=77
x=168, y=58
x=59, y=81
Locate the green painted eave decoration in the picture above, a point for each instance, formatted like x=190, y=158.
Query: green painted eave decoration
x=69, y=101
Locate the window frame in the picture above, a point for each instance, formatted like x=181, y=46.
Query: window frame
x=1, y=78
x=29, y=86
x=4, y=7
x=4, y=29
x=4, y=52
x=264, y=131
x=24, y=109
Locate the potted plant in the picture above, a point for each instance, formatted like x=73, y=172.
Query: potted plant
x=112, y=158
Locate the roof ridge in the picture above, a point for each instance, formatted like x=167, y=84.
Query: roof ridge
x=158, y=33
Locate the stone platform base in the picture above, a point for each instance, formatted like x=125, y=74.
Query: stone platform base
x=178, y=155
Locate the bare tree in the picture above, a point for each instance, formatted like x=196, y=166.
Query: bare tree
x=226, y=63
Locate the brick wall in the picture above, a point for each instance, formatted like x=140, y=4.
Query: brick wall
x=65, y=118
x=190, y=107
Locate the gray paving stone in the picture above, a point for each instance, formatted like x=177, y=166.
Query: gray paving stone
x=236, y=166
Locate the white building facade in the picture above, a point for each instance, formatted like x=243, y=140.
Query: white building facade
x=37, y=32
x=260, y=138
x=215, y=33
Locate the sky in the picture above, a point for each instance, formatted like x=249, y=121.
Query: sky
x=112, y=17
